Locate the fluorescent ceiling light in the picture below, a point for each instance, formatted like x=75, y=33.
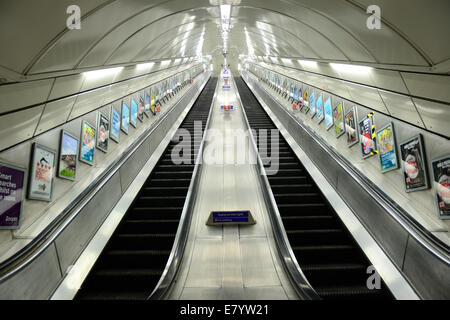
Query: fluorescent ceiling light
x=350, y=68
x=308, y=63
x=165, y=62
x=225, y=11
x=102, y=72
x=145, y=65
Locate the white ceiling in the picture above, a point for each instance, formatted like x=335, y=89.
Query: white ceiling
x=35, y=40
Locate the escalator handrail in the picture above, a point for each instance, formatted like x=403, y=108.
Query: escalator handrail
x=45, y=238
x=298, y=278
x=176, y=255
x=434, y=245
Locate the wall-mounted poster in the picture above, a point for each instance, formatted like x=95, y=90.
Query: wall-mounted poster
x=328, y=111
x=68, y=154
x=147, y=102
x=114, y=134
x=441, y=181
x=351, y=132
x=367, y=137
x=295, y=95
x=141, y=106
x=12, y=189
x=40, y=184
x=338, y=117
x=125, y=125
x=134, y=112
x=300, y=99
x=87, y=146
x=312, y=104
x=305, y=100
x=413, y=164
x=387, y=148
x=102, y=132
x=319, y=107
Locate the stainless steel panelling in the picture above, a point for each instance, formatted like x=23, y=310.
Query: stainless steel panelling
x=367, y=96
x=73, y=239
x=18, y=126
x=431, y=277
x=133, y=165
x=20, y=95
x=401, y=107
x=87, y=102
x=36, y=281
x=432, y=86
x=65, y=86
x=55, y=113
x=436, y=116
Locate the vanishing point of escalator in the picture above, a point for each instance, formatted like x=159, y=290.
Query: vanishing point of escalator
x=134, y=259
x=328, y=255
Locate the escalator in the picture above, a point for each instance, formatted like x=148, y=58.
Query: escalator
x=331, y=260
x=135, y=257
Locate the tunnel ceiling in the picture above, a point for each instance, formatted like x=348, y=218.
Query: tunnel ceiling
x=36, y=40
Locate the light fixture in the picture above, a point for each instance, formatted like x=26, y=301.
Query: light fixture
x=308, y=63
x=102, y=72
x=165, y=62
x=350, y=68
x=144, y=65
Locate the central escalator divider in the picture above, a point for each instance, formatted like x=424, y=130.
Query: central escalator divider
x=135, y=257
x=328, y=255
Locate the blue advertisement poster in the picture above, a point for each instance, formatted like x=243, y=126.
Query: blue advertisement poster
x=319, y=107
x=296, y=95
x=386, y=148
x=328, y=110
x=312, y=104
x=88, y=136
x=134, y=113
x=125, y=117
x=115, y=125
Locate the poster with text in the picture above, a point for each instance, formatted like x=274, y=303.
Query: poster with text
x=319, y=106
x=300, y=99
x=338, y=117
x=147, y=102
x=134, y=112
x=328, y=111
x=125, y=117
x=413, y=164
x=68, y=155
x=12, y=188
x=87, y=146
x=312, y=104
x=115, y=125
x=40, y=185
x=141, y=106
x=441, y=182
x=102, y=132
x=367, y=137
x=351, y=132
x=305, y=100
x=387, y=148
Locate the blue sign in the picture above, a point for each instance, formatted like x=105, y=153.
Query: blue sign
x=226, y=87
x=230, y=217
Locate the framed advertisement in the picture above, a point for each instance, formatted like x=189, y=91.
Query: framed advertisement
x=319, y=107
x=387, y=148
x=338, y=118
x=147, y=102
x=125, y=124
x=367, y=137
x=12, y=190
x=328, y=111
x=441, y=182
x=351, y=132
x=141, y=106
x=133, y=112
x=103, y=129
x=114, y=134
x=414, y=166
x=305, y=100
x=40, y=182
x=312, y=104
x=300, y=99
x=68, y=154
x=87, y=145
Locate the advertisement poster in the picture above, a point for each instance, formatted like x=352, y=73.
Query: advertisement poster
x=319, y=107
x=141, y=106
x=300, y=99
x=87, y=146
x=12, y=187
x=328, y=111
x=125, y=117
x=147, y=102
x=312, y=104
x=441, y=181
x=351, y=131
x=338, y=117
x=367, y=137
x=134, y=112
x=413, y=164
x=295, y=95
x=102, y=132
x=68, y=154
x=115, y=125
x=40, y=184
x=387, y=148
x=305, y=101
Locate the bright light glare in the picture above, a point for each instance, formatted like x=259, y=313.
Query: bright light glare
x=165, y=62
x=145, y=65
x=350, y=68
x=225, y=11
x=308, y=63
x=102, y=72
